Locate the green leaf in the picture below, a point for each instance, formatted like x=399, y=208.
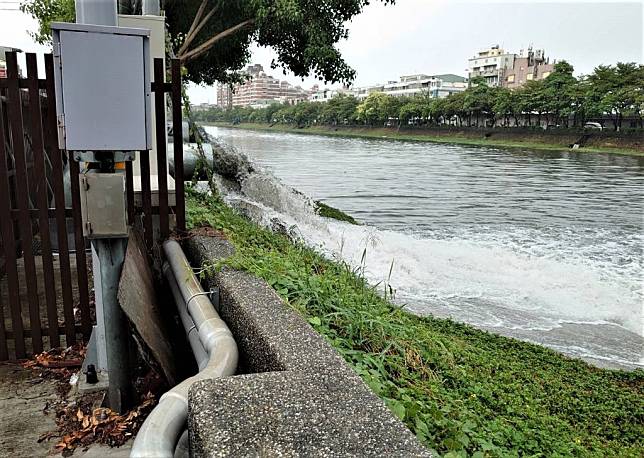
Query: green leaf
x=315, y=321
x=397, y=408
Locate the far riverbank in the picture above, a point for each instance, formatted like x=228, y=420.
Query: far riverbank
x=499, y=137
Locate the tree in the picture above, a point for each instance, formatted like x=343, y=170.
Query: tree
x=378, y=108
x=46, y=12
x=339, y=110
x=213, y=36
x=532, y=99
x=617, y=90
x=410, y=111
x=478, y=99
x=506, y=105
x=559, y=90
x=453, y=107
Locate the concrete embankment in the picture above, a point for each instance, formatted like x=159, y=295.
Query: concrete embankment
x=296, y=395
x=606, y=141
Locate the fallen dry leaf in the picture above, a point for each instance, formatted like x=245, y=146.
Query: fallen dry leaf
x=83, y=425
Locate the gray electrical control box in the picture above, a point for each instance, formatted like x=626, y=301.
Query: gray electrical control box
x=102, y=79
x=103, y=205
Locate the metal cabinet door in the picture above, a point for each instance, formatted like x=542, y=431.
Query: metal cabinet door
x=104, y=93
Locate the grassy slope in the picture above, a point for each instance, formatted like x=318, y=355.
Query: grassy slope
x=464, y=392
x=388, y=134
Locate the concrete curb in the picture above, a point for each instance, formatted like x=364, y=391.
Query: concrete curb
x=298, y=397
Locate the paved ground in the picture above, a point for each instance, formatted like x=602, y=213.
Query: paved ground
x=23, y=396
x=25, y=416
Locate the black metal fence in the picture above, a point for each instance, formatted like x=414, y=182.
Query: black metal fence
x=47, y=295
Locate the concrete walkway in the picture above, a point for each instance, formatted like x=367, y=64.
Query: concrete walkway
x=27, y=412
x=23, y=396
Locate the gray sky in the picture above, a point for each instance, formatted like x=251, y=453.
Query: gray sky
x=438, y=36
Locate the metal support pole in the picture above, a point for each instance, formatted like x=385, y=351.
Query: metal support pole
x=111, y=254
x=151, y=7
x=100, y=12
x=111, y=332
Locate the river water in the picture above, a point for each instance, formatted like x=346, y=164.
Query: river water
x=542, y=246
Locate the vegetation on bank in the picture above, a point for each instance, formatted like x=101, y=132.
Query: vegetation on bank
x=456, y=138
x=560, y=100
x=462, y=391
x=327, y=211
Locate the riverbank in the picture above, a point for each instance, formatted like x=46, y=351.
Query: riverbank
x=457, y=388
x=500, y=138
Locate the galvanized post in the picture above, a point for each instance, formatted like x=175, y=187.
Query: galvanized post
x=111, y=255
x=151, y=7
x=108, y=257
x=99, y=12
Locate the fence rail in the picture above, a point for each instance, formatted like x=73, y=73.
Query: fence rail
x=45, y=290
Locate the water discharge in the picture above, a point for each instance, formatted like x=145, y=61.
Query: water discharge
x=542, y=247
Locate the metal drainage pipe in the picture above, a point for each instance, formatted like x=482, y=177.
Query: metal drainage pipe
x=161, y=431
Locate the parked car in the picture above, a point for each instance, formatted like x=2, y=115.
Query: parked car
x=593, y=125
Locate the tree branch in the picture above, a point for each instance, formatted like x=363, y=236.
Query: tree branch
x=195, y=21
x=193, y=33
x=205, y=46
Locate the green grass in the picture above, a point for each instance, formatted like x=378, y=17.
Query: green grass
x=331, y=212
x=462, y=391
x=389, y=134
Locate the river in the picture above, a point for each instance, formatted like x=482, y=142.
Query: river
x=542, y=246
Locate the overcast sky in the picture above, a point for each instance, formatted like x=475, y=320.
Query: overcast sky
x=438, y=36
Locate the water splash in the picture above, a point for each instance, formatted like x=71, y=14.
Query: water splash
x=524, y=283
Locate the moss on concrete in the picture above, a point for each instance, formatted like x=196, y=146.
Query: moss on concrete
x=331, y=212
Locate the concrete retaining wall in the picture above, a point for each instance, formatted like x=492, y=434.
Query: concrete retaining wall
x=297, y=396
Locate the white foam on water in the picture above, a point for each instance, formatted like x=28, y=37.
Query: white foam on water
x=494, y=279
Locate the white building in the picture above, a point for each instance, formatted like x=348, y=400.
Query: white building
x=362, y=93
x=434, y=86
x=326, y=94
x=491, y=64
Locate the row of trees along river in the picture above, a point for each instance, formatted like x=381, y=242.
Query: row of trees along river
x=561, y=99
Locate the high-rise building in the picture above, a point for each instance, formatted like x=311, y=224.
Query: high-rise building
x=500, y=68
x=259, y=90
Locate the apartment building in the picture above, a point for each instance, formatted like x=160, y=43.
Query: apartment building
x=491, y=64
x=434, y=86
x=500, y=68
x=259, y=90
x=528, y=65
x=364, y=91
x=326, y=94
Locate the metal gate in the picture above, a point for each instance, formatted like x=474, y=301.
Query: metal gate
x=44, y=273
